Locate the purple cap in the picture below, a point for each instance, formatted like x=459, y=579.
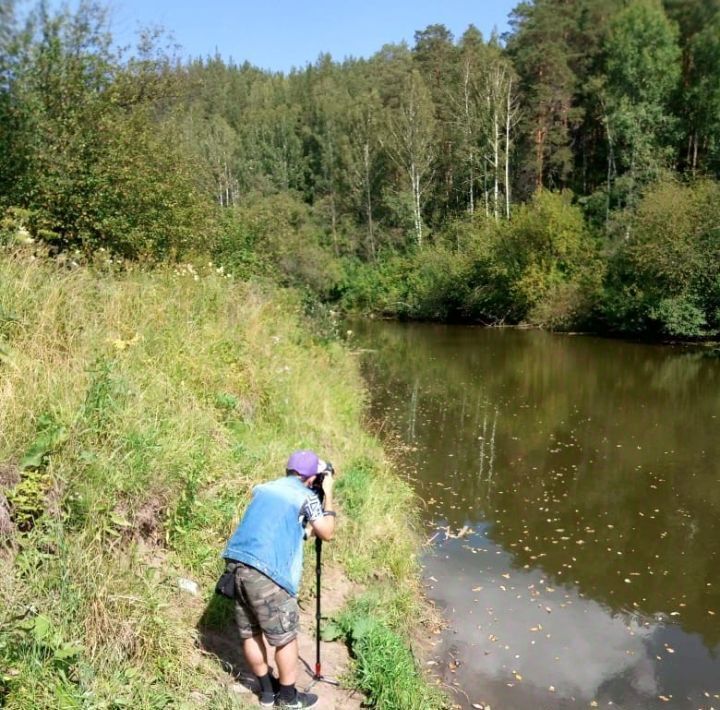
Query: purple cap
x=305, y=463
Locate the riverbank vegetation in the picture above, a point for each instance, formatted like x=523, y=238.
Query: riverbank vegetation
x=137, y=409
x=564, y=174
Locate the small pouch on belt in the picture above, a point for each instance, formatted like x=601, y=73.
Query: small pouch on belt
x=225, y=586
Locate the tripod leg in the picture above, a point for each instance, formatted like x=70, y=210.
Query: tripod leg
x=318, y=573
x=318, y=676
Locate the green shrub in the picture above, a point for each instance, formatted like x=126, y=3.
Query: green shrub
x=541, y=257
x=438, y=283
x=89, y=153
x=664, y=278
x=278, y=236
x=376, y=287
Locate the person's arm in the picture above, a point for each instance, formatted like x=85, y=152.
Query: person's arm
x=324, y=526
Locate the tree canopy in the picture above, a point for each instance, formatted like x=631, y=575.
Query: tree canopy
x=414, y=148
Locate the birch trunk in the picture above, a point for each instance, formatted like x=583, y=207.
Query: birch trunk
x=368, y=196
x=415, y=180
x=508, y=122
x=496, y=163
x=469, y=136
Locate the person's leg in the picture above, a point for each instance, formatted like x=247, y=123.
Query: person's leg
x=286, y=659
x=278, y=616
x=253, y=646
x=256, y=655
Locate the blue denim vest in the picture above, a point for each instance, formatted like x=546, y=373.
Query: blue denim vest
x=270, y=535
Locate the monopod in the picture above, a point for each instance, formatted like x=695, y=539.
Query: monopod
x=318, y=677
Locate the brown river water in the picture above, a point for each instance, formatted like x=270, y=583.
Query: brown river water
x=571, y=490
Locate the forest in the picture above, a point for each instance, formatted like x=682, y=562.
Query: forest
x=563, y=174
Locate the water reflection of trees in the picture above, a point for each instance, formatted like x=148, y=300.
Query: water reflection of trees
x=611, y=443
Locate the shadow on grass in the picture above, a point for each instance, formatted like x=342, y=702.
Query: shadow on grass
x=219, y=637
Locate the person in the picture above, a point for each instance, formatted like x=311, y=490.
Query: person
x=265, y=552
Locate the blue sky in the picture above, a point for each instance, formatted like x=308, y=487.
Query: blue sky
x=281, y=34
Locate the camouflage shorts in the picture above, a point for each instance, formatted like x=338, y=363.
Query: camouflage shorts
x=261, y=605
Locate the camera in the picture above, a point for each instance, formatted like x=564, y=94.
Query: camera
x=317, y=485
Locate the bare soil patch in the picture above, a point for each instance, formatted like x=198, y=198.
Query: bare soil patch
x=9, y=478
x=9, y=475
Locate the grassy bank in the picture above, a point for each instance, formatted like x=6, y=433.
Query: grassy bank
x=137, y=409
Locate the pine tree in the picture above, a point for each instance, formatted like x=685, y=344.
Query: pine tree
x=540, y=47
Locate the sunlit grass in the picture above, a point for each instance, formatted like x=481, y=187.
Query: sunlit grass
x=137, y=409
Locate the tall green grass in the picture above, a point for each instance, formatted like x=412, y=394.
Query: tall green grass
x=381, y=548
x=137, y=409
x=386, y=669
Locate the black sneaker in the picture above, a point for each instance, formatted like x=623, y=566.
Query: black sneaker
x=302, y=700
x=267, y=700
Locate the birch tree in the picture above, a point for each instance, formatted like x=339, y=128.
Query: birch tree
x=360, y=157
x=703, y=99
x=465, y=102
x=218, y=143
x=410, y=143
x=435, y=55
x=500, y=115
x=330, y=100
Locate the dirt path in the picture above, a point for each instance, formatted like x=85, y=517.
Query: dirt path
x=225, y=644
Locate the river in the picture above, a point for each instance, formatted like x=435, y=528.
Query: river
x=571, y=490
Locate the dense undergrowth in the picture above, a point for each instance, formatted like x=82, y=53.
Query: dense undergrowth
x=649, y=271
x=137, y=408
x=653, y=271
